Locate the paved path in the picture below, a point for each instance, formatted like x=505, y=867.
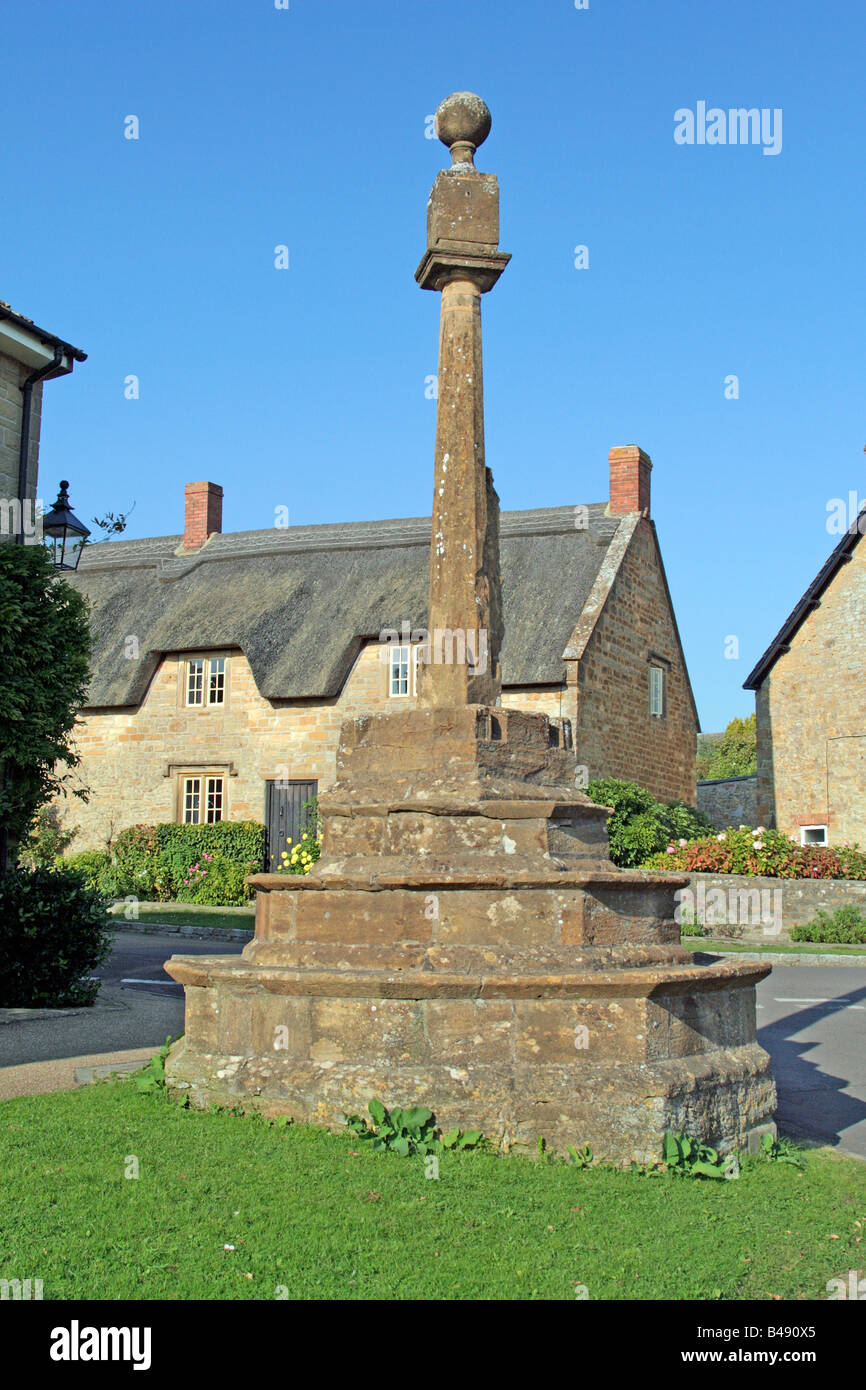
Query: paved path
x=811, y=1020
x=36, y=1078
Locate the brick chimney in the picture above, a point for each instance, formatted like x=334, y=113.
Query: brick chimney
x=630, y=470
x=203, y=513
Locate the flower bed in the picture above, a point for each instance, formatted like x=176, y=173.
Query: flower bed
x=760, y=853
x=300, y=858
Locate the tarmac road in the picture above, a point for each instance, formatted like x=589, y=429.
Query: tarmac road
x=811, y=1019
x=126, y=1015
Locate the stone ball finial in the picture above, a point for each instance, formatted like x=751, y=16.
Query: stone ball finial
x=462, y=123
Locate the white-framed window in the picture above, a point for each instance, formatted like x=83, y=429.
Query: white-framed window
x=216, y=686
x=403, y=664
x=195, y=681
x=400, y=671
x=203, y=800
x=206, y=681
x=657, y=691
x=813, y=834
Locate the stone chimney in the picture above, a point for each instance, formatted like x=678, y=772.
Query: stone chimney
x=630, y=470
x=203, y=513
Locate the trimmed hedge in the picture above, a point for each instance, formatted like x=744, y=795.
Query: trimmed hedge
x=53, y=933
x=188, y=863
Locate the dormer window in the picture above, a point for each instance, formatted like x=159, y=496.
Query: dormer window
x=205, y=681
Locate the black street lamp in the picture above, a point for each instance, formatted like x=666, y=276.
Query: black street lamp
x=64, y=534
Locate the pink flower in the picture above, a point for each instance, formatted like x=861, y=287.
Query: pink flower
x=758, y=844
x=671, y=849
x=683, y=843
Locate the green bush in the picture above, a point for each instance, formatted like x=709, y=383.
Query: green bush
x=53, y=934
x=93, y=864
x=690, y=926
x=210, y=862
x=641, y=826
x=135, y=862
x=45, y=647
x=732, y=755
x=216, y=882
x=46, y=839
x=846, y=924
x=188, y=863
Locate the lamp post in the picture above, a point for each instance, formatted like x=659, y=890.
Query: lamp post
x=64, y=534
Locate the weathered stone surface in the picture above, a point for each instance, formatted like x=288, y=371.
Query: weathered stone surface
x=464, y=941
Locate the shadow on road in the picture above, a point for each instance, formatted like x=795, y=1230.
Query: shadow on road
x=813, y=1104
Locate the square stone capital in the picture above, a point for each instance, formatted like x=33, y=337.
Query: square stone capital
x=483, y=268
x=463, y=211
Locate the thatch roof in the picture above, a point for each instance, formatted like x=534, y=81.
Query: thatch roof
x=300, y=601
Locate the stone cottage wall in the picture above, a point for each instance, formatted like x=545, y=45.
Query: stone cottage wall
x=811, y=718
x=133, y=760
x=12, y=374
x=615, y=735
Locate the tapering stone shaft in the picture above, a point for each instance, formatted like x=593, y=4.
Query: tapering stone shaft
x=462, y=261
x=465, y=603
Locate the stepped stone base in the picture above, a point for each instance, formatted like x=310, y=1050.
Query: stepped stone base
x=467, y=945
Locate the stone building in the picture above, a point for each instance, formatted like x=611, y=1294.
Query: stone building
x=810, y=703
x=28, y=357
x=225, y=664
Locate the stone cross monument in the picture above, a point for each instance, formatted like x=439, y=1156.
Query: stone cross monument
x=463, y=261
x=464, y=942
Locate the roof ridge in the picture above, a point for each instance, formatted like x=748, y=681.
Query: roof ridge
x=336, y=536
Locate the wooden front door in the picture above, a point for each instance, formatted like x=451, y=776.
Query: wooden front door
x=285, y=816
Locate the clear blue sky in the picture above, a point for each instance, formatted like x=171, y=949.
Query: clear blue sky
x=305, y=387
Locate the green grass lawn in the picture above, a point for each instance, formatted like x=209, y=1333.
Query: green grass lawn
x=308, y=1211
x=190, y=914
x=813, y=948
